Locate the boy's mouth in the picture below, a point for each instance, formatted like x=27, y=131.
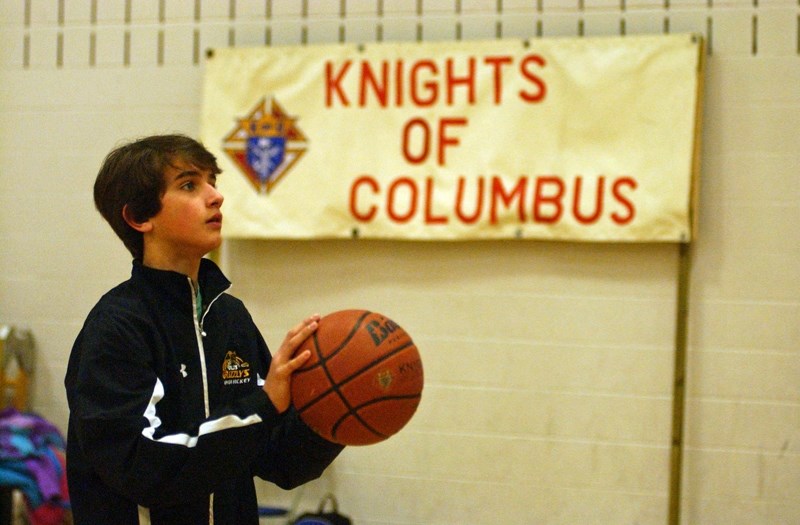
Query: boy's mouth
x=216, y=219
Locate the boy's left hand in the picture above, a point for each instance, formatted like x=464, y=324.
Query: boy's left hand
x=285, y=362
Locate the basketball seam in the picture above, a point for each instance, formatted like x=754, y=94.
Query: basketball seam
x=323, y=363
x=354, y=413
x=335, y=386
x=322, y=360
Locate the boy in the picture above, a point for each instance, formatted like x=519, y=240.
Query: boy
x=175, y=403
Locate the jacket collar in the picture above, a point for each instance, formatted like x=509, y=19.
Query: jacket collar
x=211, y=279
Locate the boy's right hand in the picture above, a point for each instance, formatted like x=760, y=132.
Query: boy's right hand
x=284, y=362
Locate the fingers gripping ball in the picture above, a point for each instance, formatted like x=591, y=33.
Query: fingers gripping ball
x=363, y=381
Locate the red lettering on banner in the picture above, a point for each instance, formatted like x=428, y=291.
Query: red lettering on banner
x=372, y=210
x=623, y=200
x=333, y=84
x=428, y=82
x=469, y=219
x=393, y=200
x=444, y=139
x=423, y=151
x=497, y=63
x=431, y=88
x=546, y=195
x=541, y=87
x=499, y=192
x=379, y=87
x=430, y=218
x=541, y=198
x=576, y=200
x=417, y=151
x=452, y=80
x=354, y=193
x=398, y=81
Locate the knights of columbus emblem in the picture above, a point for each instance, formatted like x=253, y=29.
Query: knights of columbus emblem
x=265, y=145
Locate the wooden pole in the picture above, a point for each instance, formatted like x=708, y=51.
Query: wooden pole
x=682, y=307
x=679, y=383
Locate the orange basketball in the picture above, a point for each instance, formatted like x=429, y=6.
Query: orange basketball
x=363, y=381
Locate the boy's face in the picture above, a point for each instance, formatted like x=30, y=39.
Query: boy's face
x=189, y=224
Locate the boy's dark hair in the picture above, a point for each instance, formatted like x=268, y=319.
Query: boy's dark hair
x=132, y=175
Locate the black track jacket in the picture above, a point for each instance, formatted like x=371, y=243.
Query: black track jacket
x=167, y=416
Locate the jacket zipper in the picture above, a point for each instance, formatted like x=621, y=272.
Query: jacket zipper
x=199, y=334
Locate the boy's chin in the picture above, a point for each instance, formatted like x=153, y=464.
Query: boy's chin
x=213, y=245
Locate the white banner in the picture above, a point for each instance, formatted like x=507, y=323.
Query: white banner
x=588, y=139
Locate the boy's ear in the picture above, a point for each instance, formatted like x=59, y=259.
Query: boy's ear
x=141, y=227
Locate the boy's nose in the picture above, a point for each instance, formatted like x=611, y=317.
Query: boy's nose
x=216, y=197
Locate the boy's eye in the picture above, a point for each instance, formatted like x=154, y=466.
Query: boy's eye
x=187, y=186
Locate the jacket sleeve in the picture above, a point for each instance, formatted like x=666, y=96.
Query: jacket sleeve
x=292, y=453
x=112, y=388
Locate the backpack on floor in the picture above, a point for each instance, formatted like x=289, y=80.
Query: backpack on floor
x=322, y=516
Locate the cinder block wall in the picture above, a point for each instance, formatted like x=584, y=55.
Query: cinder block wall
x=548, y=365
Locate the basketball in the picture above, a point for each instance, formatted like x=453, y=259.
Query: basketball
x=363, y=381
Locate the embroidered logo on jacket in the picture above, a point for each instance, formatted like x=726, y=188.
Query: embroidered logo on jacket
x=235, y=370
